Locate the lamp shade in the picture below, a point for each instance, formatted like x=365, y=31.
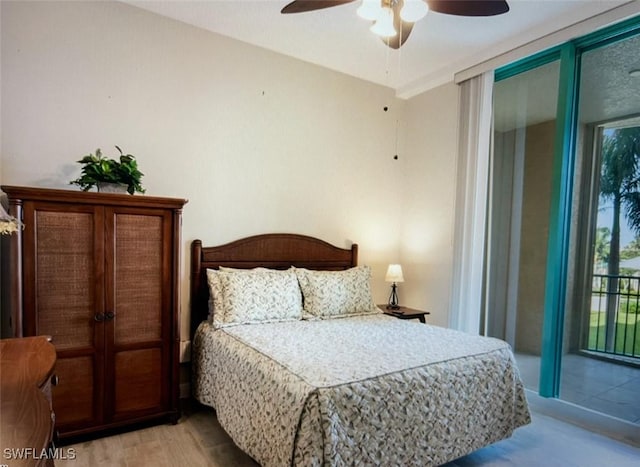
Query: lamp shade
x=394, y=273
x=413, y=10
x=383, y=26
x=370, y=9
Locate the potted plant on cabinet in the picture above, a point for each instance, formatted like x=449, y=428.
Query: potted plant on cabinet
x=106, y=174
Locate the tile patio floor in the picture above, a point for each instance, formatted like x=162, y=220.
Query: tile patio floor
x=602, y=386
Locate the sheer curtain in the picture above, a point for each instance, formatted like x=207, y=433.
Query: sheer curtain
x=474, y=141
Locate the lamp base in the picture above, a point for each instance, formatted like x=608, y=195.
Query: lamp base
x=393, y=298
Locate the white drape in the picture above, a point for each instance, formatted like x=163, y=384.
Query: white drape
x=474, y=141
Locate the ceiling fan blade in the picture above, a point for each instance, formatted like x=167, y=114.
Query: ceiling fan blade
x=469, y=7
x=300, y=6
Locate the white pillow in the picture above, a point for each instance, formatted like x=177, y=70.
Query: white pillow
x=329, y=294
x=255, y=296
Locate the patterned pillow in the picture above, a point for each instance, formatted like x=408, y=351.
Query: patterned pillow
x=216, y=308
x=256, y=296
x=337, y=293
x=227, y=269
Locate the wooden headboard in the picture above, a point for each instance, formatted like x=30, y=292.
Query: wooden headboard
x=275, y=251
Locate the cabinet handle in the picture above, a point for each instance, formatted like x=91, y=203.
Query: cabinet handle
x=55, y=380
x=98, y=317
x=109, y=315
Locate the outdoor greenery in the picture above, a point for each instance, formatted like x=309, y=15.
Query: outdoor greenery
x=630, y=307
x=631, y=250
x=601, y=251
x=620, y=184
x=629, y=323
x=601, y=248
x=97, y=168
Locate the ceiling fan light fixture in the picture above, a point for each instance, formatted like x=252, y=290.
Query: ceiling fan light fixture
x=414, y=10
x=370, y=9
x=394, y=19
x=383, y=26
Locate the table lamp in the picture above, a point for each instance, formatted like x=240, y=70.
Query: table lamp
x=394, y=275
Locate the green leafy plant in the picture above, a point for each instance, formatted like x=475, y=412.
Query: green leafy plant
x=97, y=169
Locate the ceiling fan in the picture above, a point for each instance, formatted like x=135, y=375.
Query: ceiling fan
x=394, y=19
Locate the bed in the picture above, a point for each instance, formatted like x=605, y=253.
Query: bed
x=311, y=373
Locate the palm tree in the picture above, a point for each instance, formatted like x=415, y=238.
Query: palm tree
x=632, y=250
x=601, y=248
x=620, y=184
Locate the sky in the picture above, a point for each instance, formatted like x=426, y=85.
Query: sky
x=605, y=219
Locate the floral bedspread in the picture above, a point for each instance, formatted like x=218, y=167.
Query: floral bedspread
x=368, y=390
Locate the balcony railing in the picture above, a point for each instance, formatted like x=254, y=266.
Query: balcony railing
x=615, y=315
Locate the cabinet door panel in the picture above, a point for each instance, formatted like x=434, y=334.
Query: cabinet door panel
x=74, y=396
x=139, y=380
x=63, y=291
x=139, y=277
x=65, y=277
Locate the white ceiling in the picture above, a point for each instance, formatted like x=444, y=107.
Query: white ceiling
x=336, y=38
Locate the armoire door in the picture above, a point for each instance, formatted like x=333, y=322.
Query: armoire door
x=64, y=292
x=138, y=306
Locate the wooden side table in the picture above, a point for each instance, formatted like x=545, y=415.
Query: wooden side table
x=405, y=313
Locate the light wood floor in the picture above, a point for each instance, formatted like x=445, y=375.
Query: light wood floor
x=198, y=440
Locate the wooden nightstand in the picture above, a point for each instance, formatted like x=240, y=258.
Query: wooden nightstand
x=405, y=313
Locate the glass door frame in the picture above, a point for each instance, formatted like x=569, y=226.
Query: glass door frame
x=570, y=55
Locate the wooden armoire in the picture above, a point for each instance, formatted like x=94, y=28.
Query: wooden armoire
x=99, y=273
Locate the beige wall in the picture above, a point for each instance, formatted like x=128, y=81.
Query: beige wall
x=429, y=181
x=258, y=142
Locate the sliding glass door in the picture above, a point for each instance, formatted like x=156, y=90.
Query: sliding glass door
x=562, y=278
x=601, y=351
x=522, y=169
